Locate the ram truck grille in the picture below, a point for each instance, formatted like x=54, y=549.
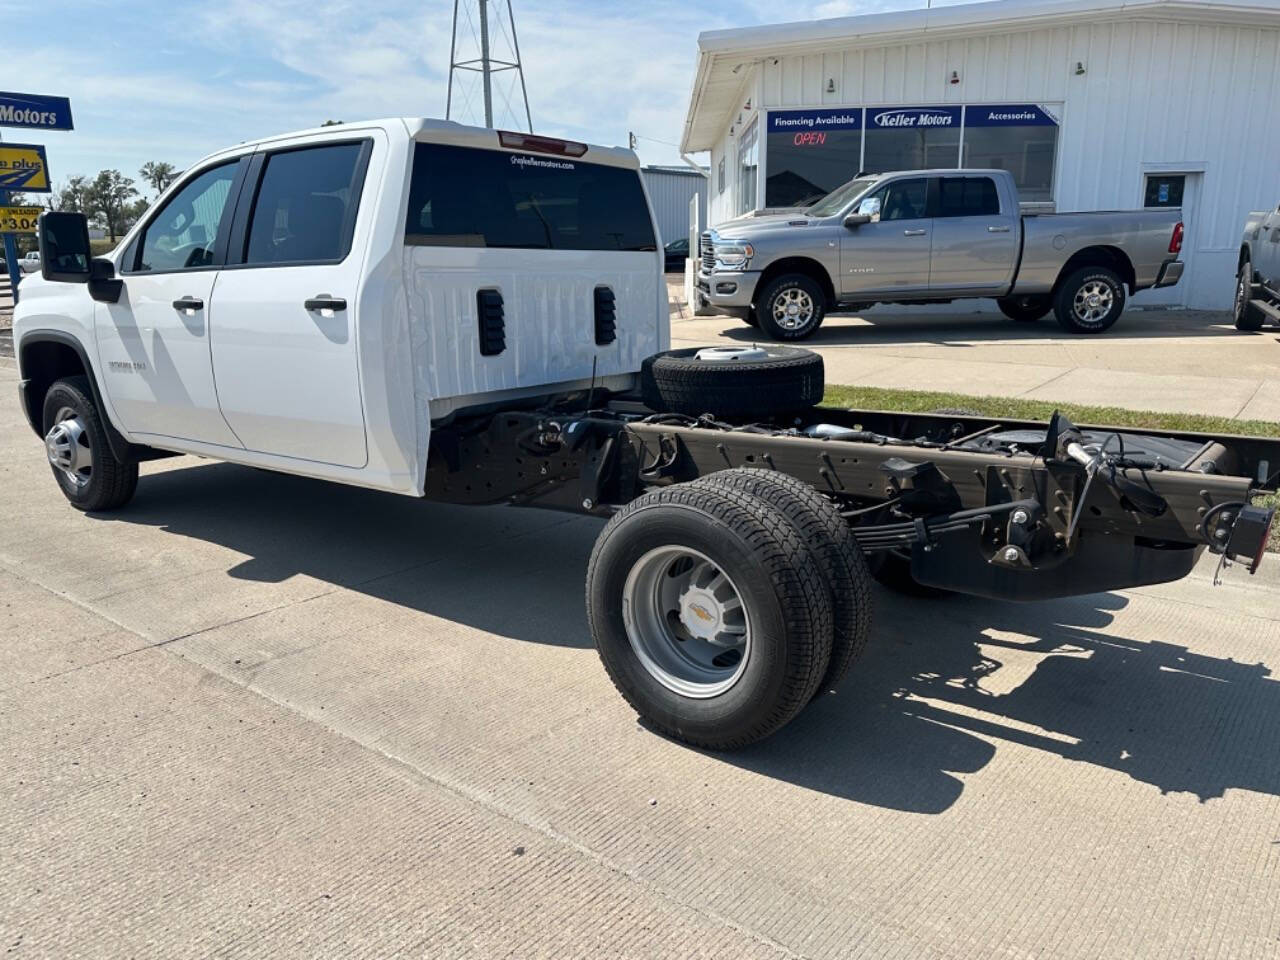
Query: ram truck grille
x=708, y=253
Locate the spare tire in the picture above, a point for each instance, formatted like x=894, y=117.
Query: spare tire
x=755, y=381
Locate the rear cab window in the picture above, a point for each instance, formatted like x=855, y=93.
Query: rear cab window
x=476, y=197
x=967, y=197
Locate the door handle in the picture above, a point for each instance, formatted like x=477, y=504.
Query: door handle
x=997, y=229
x=914, y=233
x=188, y=303
x=323, y=301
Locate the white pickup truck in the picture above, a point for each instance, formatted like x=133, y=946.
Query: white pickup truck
x=475, y=317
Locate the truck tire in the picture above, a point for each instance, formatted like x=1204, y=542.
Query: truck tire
x=791, y=307
x=843, y=565
x=1025, y=309
x=710, y=614
x=1090, y=300
x=87, y=472
x=753, y=381
x=1246, y=318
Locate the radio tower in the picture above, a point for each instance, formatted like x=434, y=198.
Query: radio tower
x=478, y=16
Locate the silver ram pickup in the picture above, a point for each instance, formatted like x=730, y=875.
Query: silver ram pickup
x=1258, y=271
x=933, y=236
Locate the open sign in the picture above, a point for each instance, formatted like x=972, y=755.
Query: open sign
x=811, y=139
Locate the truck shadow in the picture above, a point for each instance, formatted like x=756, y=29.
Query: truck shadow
x=942, y=686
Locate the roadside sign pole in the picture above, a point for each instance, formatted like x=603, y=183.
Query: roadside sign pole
x=11, y=252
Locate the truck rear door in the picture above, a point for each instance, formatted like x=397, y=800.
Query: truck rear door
x=285, y=302
x=975, y=236
x=527, y=268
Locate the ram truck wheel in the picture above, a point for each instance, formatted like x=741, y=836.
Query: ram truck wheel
x=1090, y=300
x=1025, y=309
x=791, y=307
x=75, y=441
x=1246, y=318
x=710, y=614
x=844, y=568
x=754, y=381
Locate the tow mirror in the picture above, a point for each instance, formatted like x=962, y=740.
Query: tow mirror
x=868, y=212
x=856, y=220
x=64, y=247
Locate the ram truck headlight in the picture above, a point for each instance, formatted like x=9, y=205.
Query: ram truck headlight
x=733, y=254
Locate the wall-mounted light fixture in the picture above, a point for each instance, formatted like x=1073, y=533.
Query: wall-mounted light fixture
x=831, y=85
x=1079, y=68
x=955, y=76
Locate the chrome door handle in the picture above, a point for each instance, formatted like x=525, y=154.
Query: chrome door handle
x=914, y=233
x=997, y=229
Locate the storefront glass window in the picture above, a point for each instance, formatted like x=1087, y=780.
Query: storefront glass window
x=1020, y=138
x=748, y=165
x=912, y=138
x=811, y=152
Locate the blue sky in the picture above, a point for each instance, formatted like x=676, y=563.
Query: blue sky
x=156, y=80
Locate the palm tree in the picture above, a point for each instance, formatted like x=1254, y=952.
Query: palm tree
x=158, y=174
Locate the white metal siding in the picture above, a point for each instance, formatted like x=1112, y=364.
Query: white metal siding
x=670, y=193
x=1155, y=95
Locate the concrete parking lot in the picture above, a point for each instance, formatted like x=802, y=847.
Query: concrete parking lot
x=1179, y=361
x=255, y=715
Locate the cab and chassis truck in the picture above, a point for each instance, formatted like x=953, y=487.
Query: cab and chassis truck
x=933, y=236
x=478, y=317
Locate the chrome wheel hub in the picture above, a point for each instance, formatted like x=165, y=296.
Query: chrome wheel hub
x=792, y=309
x=686, y=623
x=1093, y=302
x=67, y=447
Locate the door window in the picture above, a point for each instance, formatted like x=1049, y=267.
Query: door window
x=902, y=199
x=1165, y=190
x=306, y=205
x=967, y=197
x=184, y=234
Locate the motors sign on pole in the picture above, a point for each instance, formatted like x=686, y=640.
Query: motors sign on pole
x=23, y=166
x=19, y=219
x=35, y=110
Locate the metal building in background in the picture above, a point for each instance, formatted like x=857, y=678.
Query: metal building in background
x=488, y=46
x=671, y=189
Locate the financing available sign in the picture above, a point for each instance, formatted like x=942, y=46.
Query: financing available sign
x=23, y=166
x=19, y=219
x=35, y=110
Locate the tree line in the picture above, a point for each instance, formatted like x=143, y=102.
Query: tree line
x=110, y=199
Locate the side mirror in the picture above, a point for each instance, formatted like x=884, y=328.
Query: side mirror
x=64, y=247
x=856, y=220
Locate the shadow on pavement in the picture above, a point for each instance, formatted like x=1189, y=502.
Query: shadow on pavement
x=942, y=685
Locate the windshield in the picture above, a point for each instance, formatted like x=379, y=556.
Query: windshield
x=839, y=198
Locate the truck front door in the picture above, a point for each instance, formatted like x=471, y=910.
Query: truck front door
x=975, y=242
x=153, y=344
x=889, y=256
x=284, y=332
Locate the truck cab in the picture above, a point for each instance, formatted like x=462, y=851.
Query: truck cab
x=316, y=301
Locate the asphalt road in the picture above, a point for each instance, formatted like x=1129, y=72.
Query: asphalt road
x=255, y=715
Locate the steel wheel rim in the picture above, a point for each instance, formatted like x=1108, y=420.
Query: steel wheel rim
x=792, y=309
x=68, y=449
x=686, y=622
x=1093, y=301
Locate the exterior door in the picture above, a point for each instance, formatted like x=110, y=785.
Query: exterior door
x=284, y=337
x=891, y=254
x=153, y=344
x=975, y=243
x=1173, y=190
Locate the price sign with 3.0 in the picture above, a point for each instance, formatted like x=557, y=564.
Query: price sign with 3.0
x=19, y=219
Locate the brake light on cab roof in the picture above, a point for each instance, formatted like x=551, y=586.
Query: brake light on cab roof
x=527, y=141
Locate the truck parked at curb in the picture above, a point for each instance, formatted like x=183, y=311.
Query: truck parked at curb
x=934, y=236
x=1257, y=297
x=478, y=317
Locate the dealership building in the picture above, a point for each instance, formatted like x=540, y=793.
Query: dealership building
x=1090, y=104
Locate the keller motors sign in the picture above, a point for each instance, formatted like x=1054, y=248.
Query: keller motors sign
x=35, y=111
x=912, y=118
